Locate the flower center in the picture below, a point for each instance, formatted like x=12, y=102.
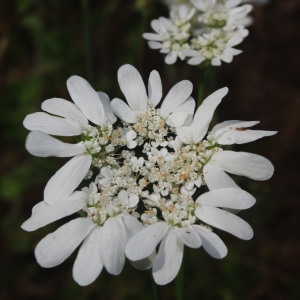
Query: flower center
x=97, y=138
x=211, y=45
x=160, y=171
x=215, y=17
x=151, y=126
x=103, y=204
x=173, y=174
x=179, y=211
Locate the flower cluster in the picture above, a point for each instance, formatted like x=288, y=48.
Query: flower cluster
x=201, y=31
x=145, y=177
x=175, y=3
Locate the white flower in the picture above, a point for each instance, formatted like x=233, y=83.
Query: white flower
x=196, y=131
x=102, y=245
x=128, y=201
x=174, y=4
x=181, y=15
x=246, y=164
x=63, y=118
x=237, y=132
x=104, y=176
x=215, y=47
x=201, y=31
x=171, y=239
x=129, y=139
x=176, y=108
x=144, y=170
x=256, y=1
x=223, y=13
x=240, y=163
x=238, y=15
x=171, y=34
x=208, y=211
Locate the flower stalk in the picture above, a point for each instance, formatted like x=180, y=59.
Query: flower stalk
x=87, y=40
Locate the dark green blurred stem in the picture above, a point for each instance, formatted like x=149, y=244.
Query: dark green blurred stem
x=179, y=282
x=207, y=82
x=146, y=11
x=201, y=86
x=154, y=289
x=87, y=40
x=108, y=10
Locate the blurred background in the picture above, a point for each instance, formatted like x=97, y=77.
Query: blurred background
x=42, y=43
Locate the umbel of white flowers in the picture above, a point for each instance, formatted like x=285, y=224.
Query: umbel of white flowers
x=201, y=31
x=140, y=166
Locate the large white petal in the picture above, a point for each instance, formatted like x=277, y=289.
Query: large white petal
x=170, y=58
x=168, y=260
x=57, y=246
x=183, y=113
x=187, y=107
x=133, y=87
x=189, y=237
x=212, y=244
x=205, y=113
x=216, y=178
x=177, y=119
x=107, y=107
x=227, y=55
x=142, y=244
x=245, y=164
x=203, y=5
x=146, y=263
x=161, y=24
x=224, y=220
x=113, y=243
x=220, y=128
x=185, y=134
x=243, y=136
x=241, y=11
x=154, y=45
x=67, y=178
x=41, y=144
x=123, y=111
x=131, y=225
x=216, y=61
x=177, y=95
x=196, y=60
x=152, y=36
x=154, y=88
x=236, y=132
x=87, y=99
x=232, y=3
x=227, y=198
x=66, y=109
x=52, y=125
x=44, y=213
x=88, y=265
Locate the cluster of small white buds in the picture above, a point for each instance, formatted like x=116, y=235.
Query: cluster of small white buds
x=200, y=31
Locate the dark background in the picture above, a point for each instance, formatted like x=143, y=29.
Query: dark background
x=42, y=43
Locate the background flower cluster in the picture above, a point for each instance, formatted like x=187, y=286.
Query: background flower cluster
x=200, y=31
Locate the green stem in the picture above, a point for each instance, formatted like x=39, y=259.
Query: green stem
x=207, y=82
x=154, y=289
x=146, y=11
x=87, y=40
x=179, y=281
x=201, y=87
